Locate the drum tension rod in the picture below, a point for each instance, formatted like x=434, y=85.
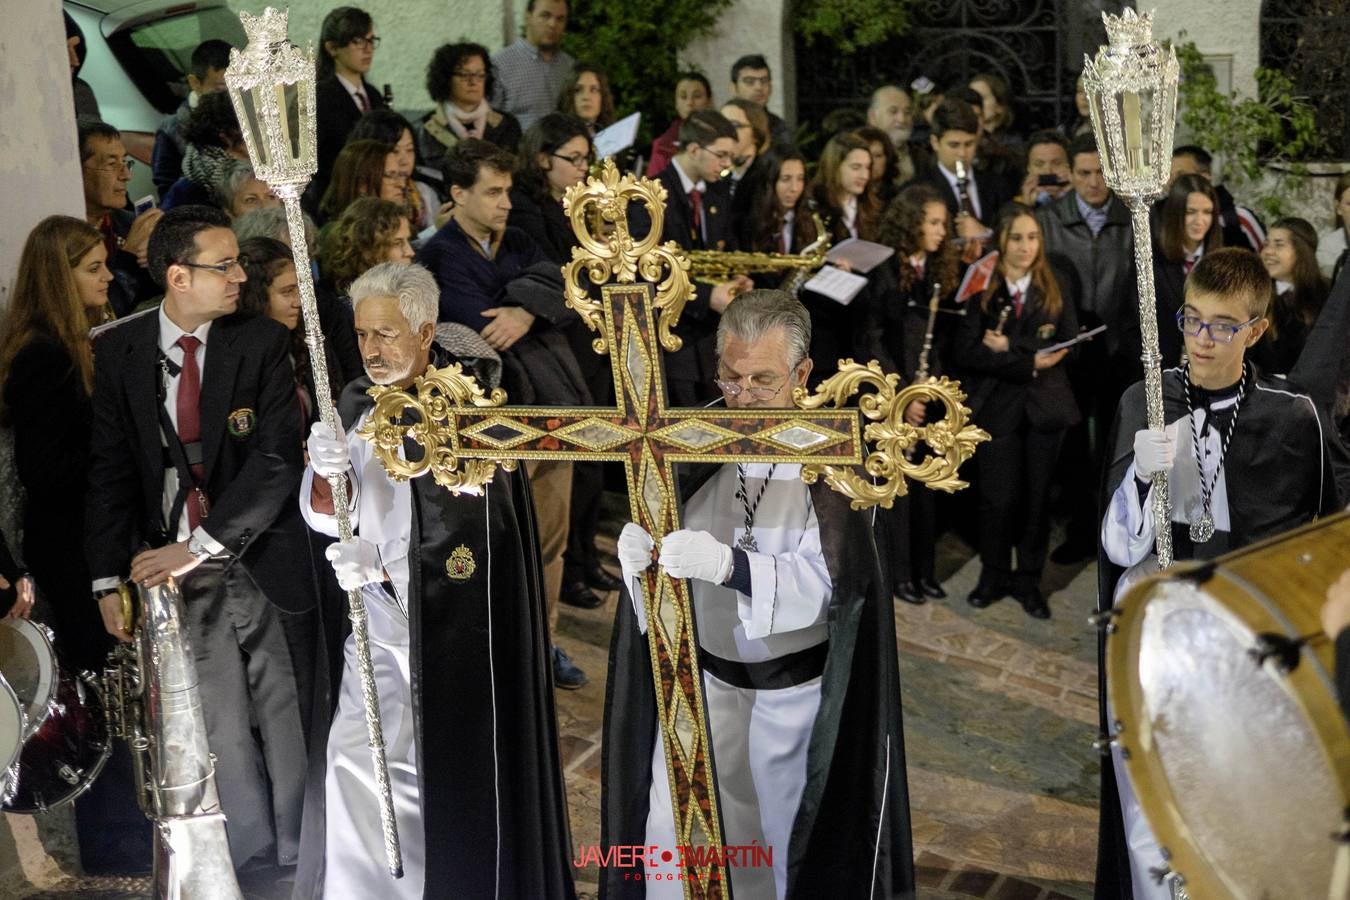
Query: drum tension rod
x=1105, y=743
x=1285, y=651
x=1102, y=620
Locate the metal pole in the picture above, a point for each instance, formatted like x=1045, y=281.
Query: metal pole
x=356, y=607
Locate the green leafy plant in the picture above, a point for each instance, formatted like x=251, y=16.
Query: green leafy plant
x=851, y=24
x=1249, y=134
x=638, y=43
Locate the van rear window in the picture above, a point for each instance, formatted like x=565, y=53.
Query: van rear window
x=157, y=54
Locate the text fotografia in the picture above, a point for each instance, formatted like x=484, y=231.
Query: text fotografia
x=669, y=864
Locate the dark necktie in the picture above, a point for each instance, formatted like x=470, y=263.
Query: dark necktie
x=362, y=102
x=190, y=423
x=918, y=271
x=1187, y=265
x=1017, y=303
x=696, y=201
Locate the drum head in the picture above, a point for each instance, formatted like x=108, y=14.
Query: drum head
x=28, y=663
x=11, y=726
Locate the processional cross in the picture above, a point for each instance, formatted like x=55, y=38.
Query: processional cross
x=466, y=433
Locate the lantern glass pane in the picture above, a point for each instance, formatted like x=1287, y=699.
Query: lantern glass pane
x=252, y=122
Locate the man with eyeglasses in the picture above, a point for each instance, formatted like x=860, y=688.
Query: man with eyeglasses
x=698, y=217
x=797, y=648
x=751, y=80
x=195, y=458
x=1246, y=457
x=106, y=169
x=529, y=74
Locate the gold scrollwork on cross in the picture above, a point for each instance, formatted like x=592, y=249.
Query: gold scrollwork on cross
x=432, y=402
x=611, y=253
x=951, y=438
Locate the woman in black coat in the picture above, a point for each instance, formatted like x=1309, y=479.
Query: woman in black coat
x=1022, y=397
x=1188, y=228
x=555, y=154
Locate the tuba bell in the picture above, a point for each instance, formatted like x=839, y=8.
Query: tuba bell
x=153, y=704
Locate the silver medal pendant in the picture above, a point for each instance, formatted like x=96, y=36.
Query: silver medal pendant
x=747, y=543
x=1202, y=529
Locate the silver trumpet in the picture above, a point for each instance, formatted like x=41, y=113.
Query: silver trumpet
x=153, y=703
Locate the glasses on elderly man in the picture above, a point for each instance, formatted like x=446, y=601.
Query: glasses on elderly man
x=759, y=388
x=116, y=165
x=1219, y=332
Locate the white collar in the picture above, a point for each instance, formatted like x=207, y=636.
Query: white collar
x=1194, y=255
x=169, y=333
x=1282, y=286
x=688, y=183
x=1020, y=285
x=850, y=210
x=353, y=89
x=918, y=260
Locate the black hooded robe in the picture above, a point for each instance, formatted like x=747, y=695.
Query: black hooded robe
x=1281, y=472
x=469, y=794
x=851, y=837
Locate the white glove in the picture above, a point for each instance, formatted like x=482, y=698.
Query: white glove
x=355, y=564
x=328, y=455
x=635, y=550
x=1154, y=451
x=696, y=554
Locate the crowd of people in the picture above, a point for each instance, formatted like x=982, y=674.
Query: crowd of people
x=440, y=237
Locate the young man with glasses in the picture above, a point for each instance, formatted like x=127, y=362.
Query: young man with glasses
x=797, y=638
x=106, y=169
x=196, y=459
x=751, y=80
x=1246, y=457
x=347, y=44
x=698, y=217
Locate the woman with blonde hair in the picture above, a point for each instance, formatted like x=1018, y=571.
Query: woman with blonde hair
x=47, y=369
x=1021, y=396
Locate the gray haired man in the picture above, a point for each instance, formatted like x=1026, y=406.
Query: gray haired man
x=797, y=643
x=457, y=636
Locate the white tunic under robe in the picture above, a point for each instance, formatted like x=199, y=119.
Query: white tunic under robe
x=354, y=840
x=760, y=737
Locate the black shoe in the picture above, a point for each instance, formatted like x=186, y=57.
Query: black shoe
x=1073, y=550
x=907, y=592
x=579, y=595
x=566, y=674
x=1033, y=602
x=986, y=594
x=930, y=588
x=602, y=580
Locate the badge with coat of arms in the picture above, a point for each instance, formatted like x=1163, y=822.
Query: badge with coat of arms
x=460, y=566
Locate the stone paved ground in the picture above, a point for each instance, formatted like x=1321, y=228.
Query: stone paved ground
x=1000, y=710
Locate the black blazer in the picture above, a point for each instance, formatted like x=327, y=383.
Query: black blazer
x=544, y=221
x=252, y=471
x=1005, y=389
x=1169, y=286
x=993, y=191
x=694, y=361
x=335, y=115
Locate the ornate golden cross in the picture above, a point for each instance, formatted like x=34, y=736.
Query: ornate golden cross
x=467, y=433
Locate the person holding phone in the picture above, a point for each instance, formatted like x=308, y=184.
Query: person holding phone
x=1047, y=169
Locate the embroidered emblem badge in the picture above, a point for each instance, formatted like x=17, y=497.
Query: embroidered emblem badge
x=460, y=566
x=1046, y=331
x=241, y=422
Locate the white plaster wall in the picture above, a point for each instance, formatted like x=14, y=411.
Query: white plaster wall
x=1219, y=28
x=39, y=162
x=751, y=26
x=409, y=30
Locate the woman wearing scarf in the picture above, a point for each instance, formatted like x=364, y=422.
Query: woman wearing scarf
x=213, y=141
x=459, y=79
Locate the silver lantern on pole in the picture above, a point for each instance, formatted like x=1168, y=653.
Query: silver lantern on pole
x=1132, y=95
x=271, y=84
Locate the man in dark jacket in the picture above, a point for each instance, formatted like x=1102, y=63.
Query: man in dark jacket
x=106, y=171
x=484, y=270
x=1090, y=241
x=194, y=478
x=206, y=76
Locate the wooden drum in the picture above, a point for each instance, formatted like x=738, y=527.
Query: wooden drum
x=1223, y=693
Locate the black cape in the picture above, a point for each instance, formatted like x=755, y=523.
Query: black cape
x=855, y=806
x=454, y=683
x=1281, y=473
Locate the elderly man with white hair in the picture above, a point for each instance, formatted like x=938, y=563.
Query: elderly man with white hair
x=797, y=646
x=460, y=650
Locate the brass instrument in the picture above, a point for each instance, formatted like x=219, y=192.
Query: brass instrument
x=153, y=704
x=718, y=266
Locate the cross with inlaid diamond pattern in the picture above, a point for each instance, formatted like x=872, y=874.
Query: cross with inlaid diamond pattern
x=468, y=433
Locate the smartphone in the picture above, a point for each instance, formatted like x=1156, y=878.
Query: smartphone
x=1049, y=179
x=146, y=202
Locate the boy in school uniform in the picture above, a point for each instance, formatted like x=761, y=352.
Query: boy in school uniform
x=1247, y=457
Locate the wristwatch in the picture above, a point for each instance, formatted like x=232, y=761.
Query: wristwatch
x=198, y=549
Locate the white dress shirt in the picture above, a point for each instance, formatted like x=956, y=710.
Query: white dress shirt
x=690, y=185
x=972, y=190
x=357, y=91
